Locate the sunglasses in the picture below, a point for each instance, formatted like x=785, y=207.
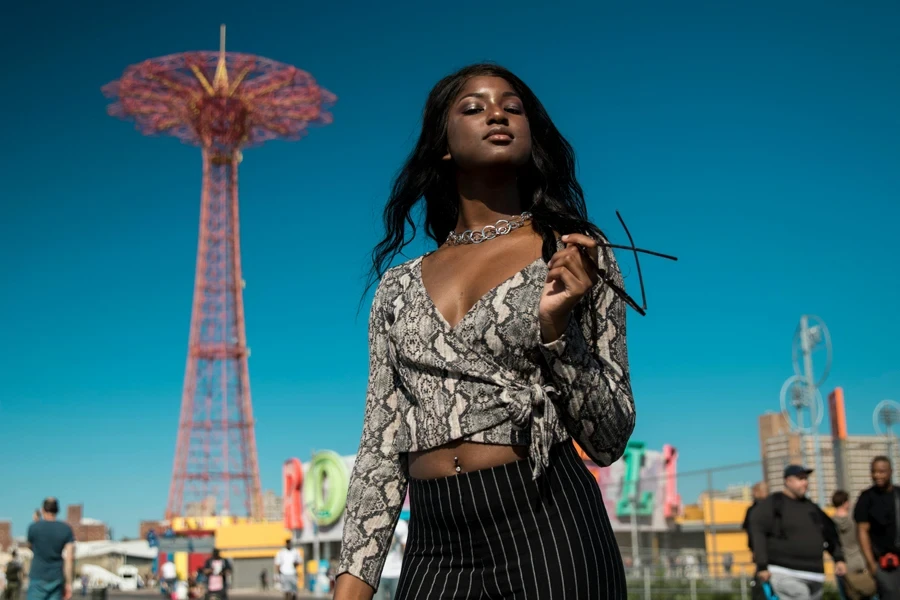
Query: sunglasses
x=620, y=292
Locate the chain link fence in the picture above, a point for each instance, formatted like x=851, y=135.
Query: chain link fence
x=701, y=552
x=693, y=581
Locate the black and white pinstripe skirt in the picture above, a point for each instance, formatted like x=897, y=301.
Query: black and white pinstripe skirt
x=497, y=533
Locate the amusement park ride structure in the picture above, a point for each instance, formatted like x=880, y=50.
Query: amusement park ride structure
x=222, y=102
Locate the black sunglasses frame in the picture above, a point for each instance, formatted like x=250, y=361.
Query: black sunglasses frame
x=621, y=293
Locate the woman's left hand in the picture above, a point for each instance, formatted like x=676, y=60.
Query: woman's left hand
x=572, y=272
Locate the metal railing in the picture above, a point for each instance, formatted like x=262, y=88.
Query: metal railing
x=687, y=576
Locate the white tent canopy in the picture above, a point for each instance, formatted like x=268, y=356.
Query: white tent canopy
x=134, y=549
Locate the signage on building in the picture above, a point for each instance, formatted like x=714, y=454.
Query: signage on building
x=202, y=545
x=292, y=502
x=325, y=490
x=317, y=492
x=642, y=485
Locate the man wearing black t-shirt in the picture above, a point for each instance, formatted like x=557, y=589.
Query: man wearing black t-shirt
x=217, y=571
x=878, y=529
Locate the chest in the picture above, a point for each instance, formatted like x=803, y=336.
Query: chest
x=882, y=511
x=501, y=324
x=456, y=282
x=799, y=519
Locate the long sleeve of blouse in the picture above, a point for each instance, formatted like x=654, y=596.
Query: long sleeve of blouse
x=589, y=368
x=379, y=479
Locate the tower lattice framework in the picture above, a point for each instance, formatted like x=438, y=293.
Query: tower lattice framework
x=222, y=102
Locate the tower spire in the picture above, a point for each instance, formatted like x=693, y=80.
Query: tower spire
x=220, y=81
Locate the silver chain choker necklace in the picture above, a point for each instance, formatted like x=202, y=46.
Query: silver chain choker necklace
x=488, y=232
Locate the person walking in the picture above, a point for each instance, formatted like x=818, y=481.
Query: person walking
x=877, y=516
x=727, y=563
x=858, y=583
x=15, y=573
x=488, y=356
x=169, y=574
x=53, y=545
x=286, y=562
x=217, y=571
x=789, y=532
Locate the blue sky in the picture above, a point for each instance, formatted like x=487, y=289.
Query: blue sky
x=760, y=144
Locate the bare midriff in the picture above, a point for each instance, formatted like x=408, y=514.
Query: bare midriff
x=469, y=456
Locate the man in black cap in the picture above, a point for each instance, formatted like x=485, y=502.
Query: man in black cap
x=878, y=529
x=789, y=532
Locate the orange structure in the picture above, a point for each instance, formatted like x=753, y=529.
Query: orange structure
x=223, y=103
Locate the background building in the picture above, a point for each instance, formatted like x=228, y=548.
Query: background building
x=272, y=506
x=111, y=555
x=736, y=491
x=85, y=530
x=158, y=527
x=201, y=508
x=848, y=468
x=6, y=539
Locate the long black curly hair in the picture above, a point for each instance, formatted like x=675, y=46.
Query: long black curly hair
x=547, y=185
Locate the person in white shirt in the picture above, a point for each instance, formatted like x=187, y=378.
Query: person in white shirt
x=169, y=575
x=390, y=574
x=286, y=562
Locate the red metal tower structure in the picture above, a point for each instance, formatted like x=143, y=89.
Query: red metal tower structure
x=222, y=102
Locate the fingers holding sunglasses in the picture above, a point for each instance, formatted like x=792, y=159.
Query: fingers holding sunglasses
x=580, y=265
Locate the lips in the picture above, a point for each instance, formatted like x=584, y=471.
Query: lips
x=499, y=134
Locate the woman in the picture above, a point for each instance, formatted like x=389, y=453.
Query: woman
x=486, y=357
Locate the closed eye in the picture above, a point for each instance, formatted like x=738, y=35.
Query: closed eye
x=477, y=109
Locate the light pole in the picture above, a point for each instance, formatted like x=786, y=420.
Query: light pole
x=884, y=417
x=803, y=390
x=635, y=536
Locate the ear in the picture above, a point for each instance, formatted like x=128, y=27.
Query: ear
x=447, y=156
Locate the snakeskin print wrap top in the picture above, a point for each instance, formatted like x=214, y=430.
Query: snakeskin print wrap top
x=489, y=379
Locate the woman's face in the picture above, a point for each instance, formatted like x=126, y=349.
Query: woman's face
x=487, y=126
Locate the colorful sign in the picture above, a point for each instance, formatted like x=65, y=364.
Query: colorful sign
x=325, y=492
x=292, y=475
x=672, y=507
x=837, y=414
x=642, y=485
x=315, y=496
x=632, y=502
x=839, y=436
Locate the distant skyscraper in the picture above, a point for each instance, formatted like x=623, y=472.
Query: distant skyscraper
x=272, y=506
x=780, y=447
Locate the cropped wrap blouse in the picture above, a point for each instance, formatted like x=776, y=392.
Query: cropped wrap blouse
x=489, y=379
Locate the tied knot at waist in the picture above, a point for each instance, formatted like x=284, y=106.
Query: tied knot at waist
x=528, y=404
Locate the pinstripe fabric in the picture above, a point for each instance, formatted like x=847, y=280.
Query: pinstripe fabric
x=498, y=533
